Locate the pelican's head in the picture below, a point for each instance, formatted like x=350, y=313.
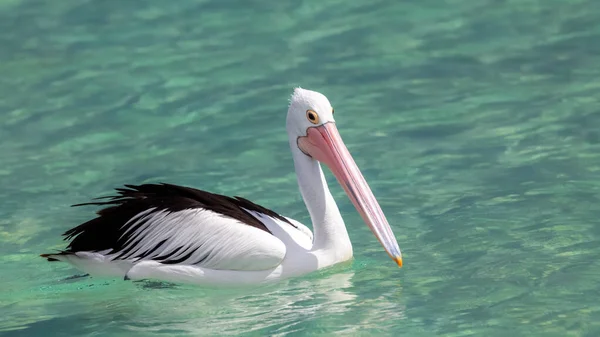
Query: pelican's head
x=310, y=121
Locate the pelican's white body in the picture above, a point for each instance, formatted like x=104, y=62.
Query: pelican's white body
x=250, y=255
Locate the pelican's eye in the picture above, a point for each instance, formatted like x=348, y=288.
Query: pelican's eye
x=312, y=116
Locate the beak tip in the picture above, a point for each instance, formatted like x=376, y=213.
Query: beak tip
x=398, y=260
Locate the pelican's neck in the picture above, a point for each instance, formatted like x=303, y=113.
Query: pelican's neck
x=330, y=232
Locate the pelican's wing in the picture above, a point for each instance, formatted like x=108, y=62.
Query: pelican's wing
x=178, y=225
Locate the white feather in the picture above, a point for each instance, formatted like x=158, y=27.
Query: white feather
x=211, y=241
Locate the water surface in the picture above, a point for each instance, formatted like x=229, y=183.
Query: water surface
x=475, y=122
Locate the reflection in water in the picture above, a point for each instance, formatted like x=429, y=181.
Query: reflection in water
x=329, y=301
x=280, y=307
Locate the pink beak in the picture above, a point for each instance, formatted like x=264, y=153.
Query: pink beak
x=324, y=144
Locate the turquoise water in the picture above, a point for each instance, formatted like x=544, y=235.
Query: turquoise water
x=476, y=123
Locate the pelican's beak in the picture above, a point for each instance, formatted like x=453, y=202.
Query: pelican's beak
x=324, y=144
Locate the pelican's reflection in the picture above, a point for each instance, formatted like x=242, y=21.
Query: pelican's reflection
x=336, y=299
x=233, y=311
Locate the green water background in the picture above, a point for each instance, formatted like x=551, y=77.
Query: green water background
x=476, y=124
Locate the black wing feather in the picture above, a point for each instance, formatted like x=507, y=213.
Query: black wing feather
x=106, y=231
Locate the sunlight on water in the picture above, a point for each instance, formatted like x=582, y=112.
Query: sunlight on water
x=475, y=123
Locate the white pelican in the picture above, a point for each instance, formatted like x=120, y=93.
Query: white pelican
x=184, y=235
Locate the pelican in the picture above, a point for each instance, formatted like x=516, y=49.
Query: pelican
x=184, y=235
